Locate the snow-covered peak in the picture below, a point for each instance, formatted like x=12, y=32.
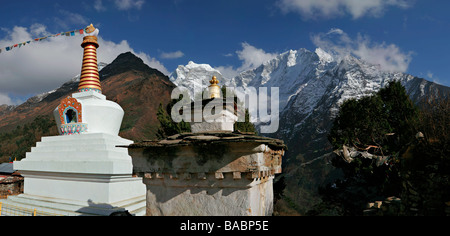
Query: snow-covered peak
x=194, y=66
x=324, y=56
x=292, y=58
x=195, y=77
x=288, y=71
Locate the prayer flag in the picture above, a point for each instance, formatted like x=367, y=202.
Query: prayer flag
x=19, y=45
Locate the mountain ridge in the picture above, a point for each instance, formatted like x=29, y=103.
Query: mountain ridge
x=312, y=86
x=126, y=74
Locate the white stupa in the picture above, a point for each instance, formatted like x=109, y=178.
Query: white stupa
x=82, y=171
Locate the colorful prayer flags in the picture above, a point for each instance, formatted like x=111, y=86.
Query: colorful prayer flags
x=68, y=33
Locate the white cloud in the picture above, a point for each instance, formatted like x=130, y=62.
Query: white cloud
x=5, y=99
x=129, y=4
x=430, y=76
x=43, y=66
x=389, y=56
x=172, y=55
x=253, y=57
x=70, y=18
x=227, y=71
x=122, y=5
x=313, y=9
x=98, y=5
x=250, y=56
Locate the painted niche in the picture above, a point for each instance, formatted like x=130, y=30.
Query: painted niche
x=71, y=117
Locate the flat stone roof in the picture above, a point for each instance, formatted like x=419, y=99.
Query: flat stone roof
x=186, y=139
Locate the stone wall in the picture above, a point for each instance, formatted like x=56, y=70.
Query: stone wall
x=209, y=174
x=11, y=185
x=205, y=195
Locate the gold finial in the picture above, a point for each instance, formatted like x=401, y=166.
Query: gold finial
x=90, y=36
x=214, y=88
x=214, y=81
x=90, y=29
x=89, y=78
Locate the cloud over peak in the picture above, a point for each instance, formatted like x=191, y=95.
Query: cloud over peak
x=314, y=9
x=172, y=55
x=42, y=66
x=388, y=56
x=122, y=5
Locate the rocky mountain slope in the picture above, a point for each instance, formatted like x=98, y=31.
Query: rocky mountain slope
x=135, y=86
x=312, y=86
x=195, y=77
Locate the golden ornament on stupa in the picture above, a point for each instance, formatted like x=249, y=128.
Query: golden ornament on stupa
x=89, y=78
x=214, y=88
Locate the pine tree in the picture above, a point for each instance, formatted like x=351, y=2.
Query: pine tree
x=168, y=126
x=383, y=124
x=246, y=126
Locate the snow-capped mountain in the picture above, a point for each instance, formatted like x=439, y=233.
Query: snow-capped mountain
x=194, y=77
x=312, y=86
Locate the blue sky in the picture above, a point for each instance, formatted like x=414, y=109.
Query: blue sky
x=411, y=36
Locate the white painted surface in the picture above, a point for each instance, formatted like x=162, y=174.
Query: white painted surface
x=101, y=115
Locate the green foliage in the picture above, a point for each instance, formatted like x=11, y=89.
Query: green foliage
x=383, y=124
x=387, y=119
x=168, y=126
x=16, y=143
x=245, y=126
x=426, y=163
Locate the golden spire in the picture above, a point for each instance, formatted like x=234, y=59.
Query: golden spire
x=214, y=88
x=90, y=29
x=89, y=78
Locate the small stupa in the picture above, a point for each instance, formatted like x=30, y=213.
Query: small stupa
x=82, y=171
x=212, y=171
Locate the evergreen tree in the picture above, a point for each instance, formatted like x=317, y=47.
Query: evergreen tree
x=245, y=126
x=383, y=124
x=387, y=119
x=168, y=126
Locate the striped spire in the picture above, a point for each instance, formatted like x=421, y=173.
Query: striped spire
x=90, y=79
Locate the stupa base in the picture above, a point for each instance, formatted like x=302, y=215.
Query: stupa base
x=46, y=206
x=87, y=171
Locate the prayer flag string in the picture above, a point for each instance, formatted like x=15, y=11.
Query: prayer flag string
x=65, y=34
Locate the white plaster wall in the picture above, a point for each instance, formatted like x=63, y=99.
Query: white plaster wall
x=226, y=197
x=101, y=115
